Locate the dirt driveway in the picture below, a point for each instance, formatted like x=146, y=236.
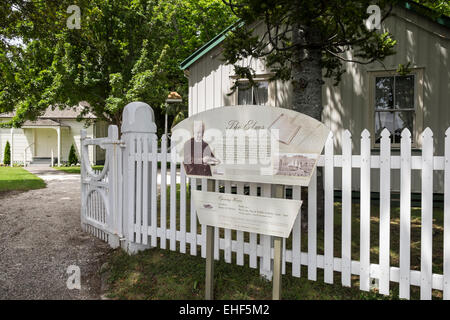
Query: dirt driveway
x=40, y=236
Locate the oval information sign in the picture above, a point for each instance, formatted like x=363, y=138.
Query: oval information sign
x=258, y=144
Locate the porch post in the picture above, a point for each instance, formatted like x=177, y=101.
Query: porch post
x=12, y=146
x=58, y=130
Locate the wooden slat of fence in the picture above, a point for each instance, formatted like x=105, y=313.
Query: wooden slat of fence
x=154, y=191
x=427, y=215
x=447, y=217
x=131, y=187
x=385, y=210
x=253, y=261
x=240, y=234
x=139, y=190
x=216, y=230
x=193, y=229
x=312, y=227
x=283, y=257
x=329, y=211
x=228, y=242
x=163, y=191
x=203, y=227
x=405, y=214
x=173, y=199
x=346, y=208
x=145, y=194
x=364, y=279
x=182, y=209
x=296, y=235
x=266, y=241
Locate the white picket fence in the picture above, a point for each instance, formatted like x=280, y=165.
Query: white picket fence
x=147, y=214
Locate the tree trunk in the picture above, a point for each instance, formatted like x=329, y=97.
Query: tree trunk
x=307, y=98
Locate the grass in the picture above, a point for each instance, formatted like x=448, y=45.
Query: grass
x=15, y=178
x=76, y=169
x=166, y=275
x=174, y=275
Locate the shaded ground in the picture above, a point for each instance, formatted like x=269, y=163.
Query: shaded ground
x=40, y=236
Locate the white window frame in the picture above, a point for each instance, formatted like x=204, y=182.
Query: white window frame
x=271, y=89
x=418, y=105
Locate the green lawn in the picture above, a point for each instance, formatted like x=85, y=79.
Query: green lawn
x=163, y=274
x=76, y=169
x=18, y=179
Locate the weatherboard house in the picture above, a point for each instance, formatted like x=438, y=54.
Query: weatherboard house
x=372, y=96
x=51, y=134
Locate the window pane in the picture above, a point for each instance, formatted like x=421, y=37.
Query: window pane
x=403, y=120
x=383, y=120
x=261, y=93
x=404, y=92
x=384, y=93
x=244, y=94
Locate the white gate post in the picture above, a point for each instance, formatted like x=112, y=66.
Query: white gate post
x=112, y=218
x=137, y=123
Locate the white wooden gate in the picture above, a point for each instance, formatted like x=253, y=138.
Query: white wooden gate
x=101, y=193
x=131, y=174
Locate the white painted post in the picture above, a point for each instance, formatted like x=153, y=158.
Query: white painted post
x=193, y=222
x=329, y=211
x=426, y=240
x=447, y=217
x=266, y=266
x=52, y=159
x=113, y=180
x=12, y=147
x=240, y=234
x=405, y=214
x=163, y=191
x=137, y=122
x=312, y=227
x=83, y=136
x=296, y=235
x=385, y=210
x=346, y=208
x=364, y=271
x=253, y=259
x=58, y=130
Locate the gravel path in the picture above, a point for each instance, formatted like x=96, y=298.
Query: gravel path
x=40, y=236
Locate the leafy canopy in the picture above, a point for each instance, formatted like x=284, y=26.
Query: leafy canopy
x=125, y=51
x=294, y=28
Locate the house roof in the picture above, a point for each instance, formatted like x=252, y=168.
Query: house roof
x=56, y=113
x=208, y=46
x=413, y=6
x=43, y=123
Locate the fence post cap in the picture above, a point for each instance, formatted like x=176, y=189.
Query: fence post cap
x=138, y=117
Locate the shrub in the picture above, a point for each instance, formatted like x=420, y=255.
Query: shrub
x=73, y=159
x=7, y=154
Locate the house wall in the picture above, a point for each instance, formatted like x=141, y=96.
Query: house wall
x=22, y=139
x=422, y=42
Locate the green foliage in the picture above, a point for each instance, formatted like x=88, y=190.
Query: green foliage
x=73, y=159
x=125, y=51
x=7, y=154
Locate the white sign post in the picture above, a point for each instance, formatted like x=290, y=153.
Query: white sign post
x=258, y=144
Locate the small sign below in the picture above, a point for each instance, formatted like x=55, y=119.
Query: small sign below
x=269, y=216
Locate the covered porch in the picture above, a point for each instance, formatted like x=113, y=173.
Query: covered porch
x=44, y=142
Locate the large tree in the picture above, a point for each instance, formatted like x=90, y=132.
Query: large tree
x=303, y=38
x=124, y=51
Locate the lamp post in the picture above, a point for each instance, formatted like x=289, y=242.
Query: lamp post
x=172, y=98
